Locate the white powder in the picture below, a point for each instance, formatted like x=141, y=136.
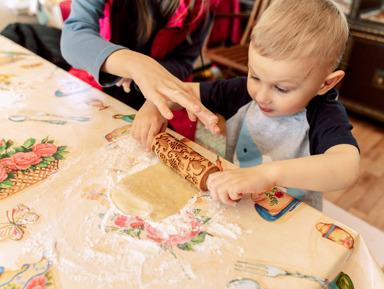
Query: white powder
x=221, y=230
x=89, y=252
x=11, y=101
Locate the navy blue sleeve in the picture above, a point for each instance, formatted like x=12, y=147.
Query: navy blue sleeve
x=329, y=123
x=225, y=97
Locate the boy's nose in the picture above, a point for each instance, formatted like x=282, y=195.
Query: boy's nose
x=262, y=96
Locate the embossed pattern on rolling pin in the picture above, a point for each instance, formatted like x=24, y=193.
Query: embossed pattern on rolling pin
x=184, y=160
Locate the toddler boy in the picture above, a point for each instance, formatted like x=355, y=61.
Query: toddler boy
x=284, y=124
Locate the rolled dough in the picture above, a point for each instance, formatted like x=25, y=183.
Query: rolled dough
x=155, y=193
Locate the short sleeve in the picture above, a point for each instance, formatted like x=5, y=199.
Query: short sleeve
x=225, y=96
x=328, y=123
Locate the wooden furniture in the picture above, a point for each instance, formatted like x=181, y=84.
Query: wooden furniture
x=235, y=57
x=362, y=89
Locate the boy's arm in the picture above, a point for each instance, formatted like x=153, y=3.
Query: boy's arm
x=338, y=168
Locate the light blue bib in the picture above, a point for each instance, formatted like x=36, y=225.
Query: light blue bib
x=263, y=139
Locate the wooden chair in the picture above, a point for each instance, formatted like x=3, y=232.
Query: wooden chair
x=235, y=57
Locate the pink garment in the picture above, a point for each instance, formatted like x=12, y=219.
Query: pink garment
x=105, y=26
x=174, y=37
x=227, y=27
x=65, y=9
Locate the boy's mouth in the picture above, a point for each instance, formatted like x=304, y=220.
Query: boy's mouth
x=265, y=109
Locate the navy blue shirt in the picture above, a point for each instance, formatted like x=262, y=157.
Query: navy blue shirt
x=327, y=118
x=253, y=138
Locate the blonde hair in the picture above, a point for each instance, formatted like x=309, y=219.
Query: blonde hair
x=302, y=28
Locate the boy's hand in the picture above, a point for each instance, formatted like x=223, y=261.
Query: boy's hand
x=147, y=124
x=230, y=185
x=125, y=83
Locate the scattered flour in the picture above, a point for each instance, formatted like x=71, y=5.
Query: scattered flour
x=85, y=251
x=11, y=101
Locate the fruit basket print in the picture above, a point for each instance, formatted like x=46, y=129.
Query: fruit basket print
x=27, y=164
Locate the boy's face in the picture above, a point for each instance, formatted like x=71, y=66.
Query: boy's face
x=282, y=87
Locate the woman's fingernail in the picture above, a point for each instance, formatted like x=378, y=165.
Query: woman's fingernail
x=196, y=108
x=213, y=120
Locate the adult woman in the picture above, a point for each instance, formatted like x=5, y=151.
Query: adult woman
x=137, y=36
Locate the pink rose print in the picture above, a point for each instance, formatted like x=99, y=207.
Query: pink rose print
x=38, y=282
x=121, y=220
x=21, y=160
x=347, y=242
x=186, y=232
x=3, y=175
x=44, y=149
x=129, y=222
x=8, y=162
x=135, y=222
x=1, y=142
x=279, y=194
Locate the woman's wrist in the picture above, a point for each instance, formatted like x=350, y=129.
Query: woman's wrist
x=121, y=62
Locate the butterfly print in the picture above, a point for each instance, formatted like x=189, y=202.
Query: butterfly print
x=18, y=220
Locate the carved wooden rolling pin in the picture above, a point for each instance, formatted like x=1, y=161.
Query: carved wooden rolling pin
x=181, y=158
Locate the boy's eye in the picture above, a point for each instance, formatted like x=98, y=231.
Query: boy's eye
x=255, y=77
x=281, y=90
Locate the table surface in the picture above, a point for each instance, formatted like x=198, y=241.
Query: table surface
x=59, y=229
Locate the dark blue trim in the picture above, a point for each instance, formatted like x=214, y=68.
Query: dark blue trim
x=330, y=231
x=265, y=214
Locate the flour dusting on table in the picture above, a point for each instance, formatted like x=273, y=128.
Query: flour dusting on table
x=95, y=243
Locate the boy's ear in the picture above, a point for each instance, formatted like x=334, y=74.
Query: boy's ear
x=330, y=81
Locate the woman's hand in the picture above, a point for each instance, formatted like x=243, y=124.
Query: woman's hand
x=158, y=85
x=147, y=124
x=161, y=87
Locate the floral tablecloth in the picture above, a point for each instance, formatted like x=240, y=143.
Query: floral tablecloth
x=64, y=145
